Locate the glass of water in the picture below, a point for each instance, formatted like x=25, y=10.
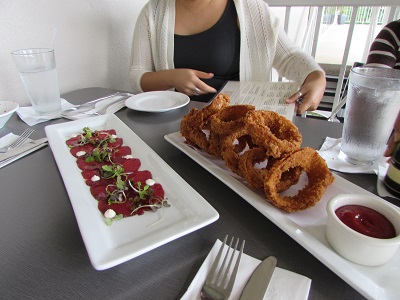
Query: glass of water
x=37, y=69
x=373, y=102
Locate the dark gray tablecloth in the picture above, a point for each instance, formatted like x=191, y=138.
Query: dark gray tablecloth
x=42, y=255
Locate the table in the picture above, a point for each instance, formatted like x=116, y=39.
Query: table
x=43, y=256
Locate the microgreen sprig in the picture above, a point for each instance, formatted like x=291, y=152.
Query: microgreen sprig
x=154, y=207
x=142, y=192
x=109, y=221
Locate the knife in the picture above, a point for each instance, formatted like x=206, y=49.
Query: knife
x=22, y=150
x=258, y=283
x=85, y=107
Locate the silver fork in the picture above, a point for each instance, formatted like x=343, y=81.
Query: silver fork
x=22, y=138
x=219, y=283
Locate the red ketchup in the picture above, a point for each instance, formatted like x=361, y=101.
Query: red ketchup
x=366, y=221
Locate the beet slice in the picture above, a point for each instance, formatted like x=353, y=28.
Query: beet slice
x=123, y=208
x=131, y=165
x=141, y=176
x=158, y=191
x=74, y=141
x=118, y=143
x=119, y=153
x=87, y=148
x=83, y=165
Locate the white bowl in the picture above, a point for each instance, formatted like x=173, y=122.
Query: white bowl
x=7, y=108
x=357, y=247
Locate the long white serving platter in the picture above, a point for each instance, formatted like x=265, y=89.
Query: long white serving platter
x=130, y=237
x=308, y=227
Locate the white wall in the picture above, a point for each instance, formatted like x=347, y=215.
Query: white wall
x=92, y=44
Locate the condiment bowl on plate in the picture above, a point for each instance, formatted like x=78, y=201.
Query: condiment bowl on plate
x=380, y=237
x=7, y=108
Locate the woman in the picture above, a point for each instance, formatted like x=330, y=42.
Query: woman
x=194, y=46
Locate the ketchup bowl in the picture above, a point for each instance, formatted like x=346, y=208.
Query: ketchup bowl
x=376, y=234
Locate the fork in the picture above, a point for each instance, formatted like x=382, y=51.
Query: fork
x=217, y=285
x=22, y=138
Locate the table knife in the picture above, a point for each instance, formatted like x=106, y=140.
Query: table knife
x=258, y=283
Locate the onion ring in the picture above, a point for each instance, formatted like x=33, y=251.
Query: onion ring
x=273, y=132
x=319, y=178
x=255, y=176
x=226, y=120
x=194, y=124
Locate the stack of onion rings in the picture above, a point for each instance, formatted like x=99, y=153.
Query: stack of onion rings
x=245, y=137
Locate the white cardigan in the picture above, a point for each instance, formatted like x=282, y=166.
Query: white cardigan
x=263, y=45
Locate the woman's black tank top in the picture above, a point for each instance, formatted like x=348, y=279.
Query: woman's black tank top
x=215, y=50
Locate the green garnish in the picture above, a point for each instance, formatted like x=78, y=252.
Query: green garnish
x=142, y=192
x=109, y=221
x=154, y=207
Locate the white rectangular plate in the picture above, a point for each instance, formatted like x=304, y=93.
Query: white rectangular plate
x=308, y=227
x=125, y=239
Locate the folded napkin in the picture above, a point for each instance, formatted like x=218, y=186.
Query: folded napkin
x=27, y=147
x=30, y=117
x=283, y=285
x=330, y=151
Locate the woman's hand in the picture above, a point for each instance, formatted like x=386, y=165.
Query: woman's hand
x=186, y=81
x=394, y=138
x=310, y=93
x=189, y=82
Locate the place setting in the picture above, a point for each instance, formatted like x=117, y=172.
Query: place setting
x=229, y=273
x=38, y=72
x=13, y=147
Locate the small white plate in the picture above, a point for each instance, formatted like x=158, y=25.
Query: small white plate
x=158, y=101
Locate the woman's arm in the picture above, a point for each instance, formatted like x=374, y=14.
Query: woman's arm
x=293, y=63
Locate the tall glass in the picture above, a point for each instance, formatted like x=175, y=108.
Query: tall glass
x=37, y=69
x=373, y=101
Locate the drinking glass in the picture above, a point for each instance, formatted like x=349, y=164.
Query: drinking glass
x=373, y=101
x=37, y=69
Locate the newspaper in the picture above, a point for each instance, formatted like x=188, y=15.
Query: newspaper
x=263, y=95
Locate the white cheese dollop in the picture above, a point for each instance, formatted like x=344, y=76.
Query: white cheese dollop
x=110, y=213
x=95, y=178
x=128, y=156
x=80, y=153
x=150, y=182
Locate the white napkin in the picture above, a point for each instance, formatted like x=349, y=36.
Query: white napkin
x=7, y=158
x=283, y=285
x=30, y=117
x=330, y=151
